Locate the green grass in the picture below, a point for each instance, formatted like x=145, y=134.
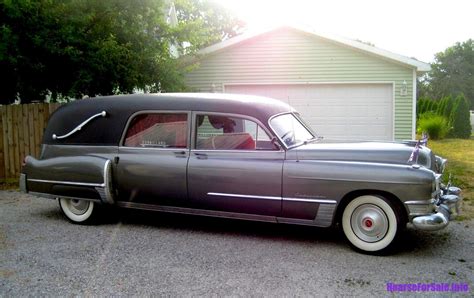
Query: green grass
x=9, y=185
x=460, y=155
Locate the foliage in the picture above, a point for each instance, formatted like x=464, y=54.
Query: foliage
x=73, y=48
x=435, y=125
x=205, y=23
x=461, y=165
x=425, y=105
x=454, y=111
x=460, y=119
x=451, y=74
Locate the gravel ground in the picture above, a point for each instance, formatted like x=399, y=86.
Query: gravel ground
x=143, y=253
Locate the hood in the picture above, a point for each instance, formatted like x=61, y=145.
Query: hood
x=378, y=152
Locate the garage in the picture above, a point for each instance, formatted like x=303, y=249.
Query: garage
x=345, y=89
x=335, y=111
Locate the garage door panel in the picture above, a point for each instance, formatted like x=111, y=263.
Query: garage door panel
x=336, y=111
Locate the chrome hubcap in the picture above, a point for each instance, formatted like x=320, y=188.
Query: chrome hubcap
x=369, y=223
x=78, y=207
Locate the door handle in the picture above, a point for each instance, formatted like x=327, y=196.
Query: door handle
x=180, y=153
x=201, y=155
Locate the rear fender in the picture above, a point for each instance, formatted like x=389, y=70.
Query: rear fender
x=81, y=177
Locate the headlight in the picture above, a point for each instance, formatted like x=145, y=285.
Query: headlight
x=440, y=164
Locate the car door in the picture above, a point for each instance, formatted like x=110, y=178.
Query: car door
x=234, y=166
x=153, y=157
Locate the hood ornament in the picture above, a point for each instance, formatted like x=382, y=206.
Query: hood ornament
x=416, y=150
x=414, y=154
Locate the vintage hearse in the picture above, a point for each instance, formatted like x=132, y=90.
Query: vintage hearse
x=234, y=156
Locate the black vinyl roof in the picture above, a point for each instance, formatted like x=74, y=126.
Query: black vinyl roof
x=108, y=130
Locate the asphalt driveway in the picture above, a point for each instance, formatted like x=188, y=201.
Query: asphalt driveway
x=145, y=253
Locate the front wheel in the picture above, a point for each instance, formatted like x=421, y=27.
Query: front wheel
x=370, y=223
x=78, y=211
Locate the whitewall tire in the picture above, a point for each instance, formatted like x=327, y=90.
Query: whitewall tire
x=78, y=211
x=370, y=223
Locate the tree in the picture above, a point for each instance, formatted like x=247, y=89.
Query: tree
x=460, y=119
x=72, y=48
x=453, y=73
x=205, y=22
x=441, y=106
x=448, y=108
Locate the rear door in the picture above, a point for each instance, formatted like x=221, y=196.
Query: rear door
x=153, y=157
x=234, y=166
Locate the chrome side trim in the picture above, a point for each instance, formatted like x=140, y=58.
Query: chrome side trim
x=202, y=212
x=101, y=114
x=351, y=180
x=296, y=221
x=68, y=183
x=218, y=194
x=310, y=200
x=51, y=196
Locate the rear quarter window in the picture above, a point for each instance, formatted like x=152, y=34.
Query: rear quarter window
x=159, y=130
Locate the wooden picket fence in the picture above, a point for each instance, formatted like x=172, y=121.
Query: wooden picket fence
x=21, y=133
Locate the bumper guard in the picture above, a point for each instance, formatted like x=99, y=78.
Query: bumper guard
x=447, y=205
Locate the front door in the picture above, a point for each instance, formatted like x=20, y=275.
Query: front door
x=153, y=157
x=234, y=166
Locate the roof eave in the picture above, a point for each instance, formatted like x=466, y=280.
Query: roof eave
x=419, y=66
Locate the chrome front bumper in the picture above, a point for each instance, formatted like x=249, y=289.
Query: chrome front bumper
x=447, y=205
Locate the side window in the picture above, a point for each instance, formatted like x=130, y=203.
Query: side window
x=158, y=130
x=216, y=132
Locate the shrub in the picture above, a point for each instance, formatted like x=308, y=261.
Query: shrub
x=435, y=125
x=460, y=119
x=448, y=108
x=422, y=106
x=442, y=106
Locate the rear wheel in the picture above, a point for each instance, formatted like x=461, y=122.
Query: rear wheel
x=370, y=223
x=78, y=211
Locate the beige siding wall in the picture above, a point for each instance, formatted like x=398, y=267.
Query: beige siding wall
x=290, y=56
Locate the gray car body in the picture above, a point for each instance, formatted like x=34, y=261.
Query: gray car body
x=308, y=184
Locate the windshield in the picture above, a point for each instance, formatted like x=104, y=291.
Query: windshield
x=290, y=130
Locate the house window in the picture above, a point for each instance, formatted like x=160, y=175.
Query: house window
x=217, y=132
x=158, y=130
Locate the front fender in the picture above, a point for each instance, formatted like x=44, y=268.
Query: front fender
x=333, y=179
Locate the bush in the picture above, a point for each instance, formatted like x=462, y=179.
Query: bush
x=422, y=106
x=448, y=107
x=435, y=125
x=460, y=119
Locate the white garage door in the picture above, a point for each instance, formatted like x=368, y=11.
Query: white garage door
x=336, y=111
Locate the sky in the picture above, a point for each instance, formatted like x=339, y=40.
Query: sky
x=416, y=28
